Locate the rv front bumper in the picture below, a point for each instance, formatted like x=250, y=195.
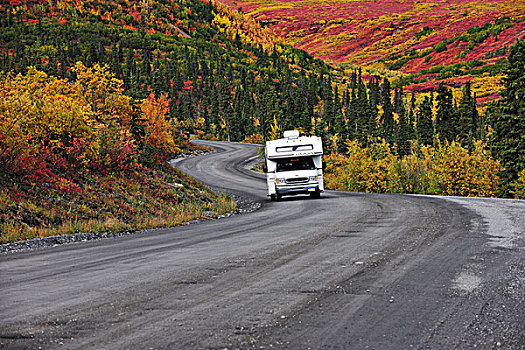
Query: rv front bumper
x=306, y=189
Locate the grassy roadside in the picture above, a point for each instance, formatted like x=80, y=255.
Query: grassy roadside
x=144, y=199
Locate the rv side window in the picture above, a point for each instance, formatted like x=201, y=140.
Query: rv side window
x=298, y=163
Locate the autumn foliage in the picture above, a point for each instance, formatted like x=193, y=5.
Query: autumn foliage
x=370, y=33
x=449, y=170
x=52, y=127
x=80, y=156
x=424, y=41
x=520, y=186
x=159, y=142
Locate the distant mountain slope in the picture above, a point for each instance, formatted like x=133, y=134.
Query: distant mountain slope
x=411, y=36
x=374, y=31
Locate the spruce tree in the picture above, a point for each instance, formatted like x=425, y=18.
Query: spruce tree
x=374, y=91
x=424, y=127
x=411, y=117
x=340, y=127
x=157, y=83
x=387, y=119
x=328, y=111
x=353, y=80
x=445, y=115
x=403, y=134
x=352, y=115
x=398, y=100
x=467, y=122
x=507, y=116
x=362, y=110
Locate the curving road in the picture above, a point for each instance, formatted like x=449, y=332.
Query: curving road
x=347, y=271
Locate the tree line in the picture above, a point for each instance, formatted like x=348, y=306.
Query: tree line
x=225, y=88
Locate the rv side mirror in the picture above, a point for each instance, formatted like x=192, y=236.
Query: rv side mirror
x=265, y=168
x=324, y=165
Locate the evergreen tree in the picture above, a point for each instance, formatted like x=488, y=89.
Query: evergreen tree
x=340, y=127
x=507, y=117
x=445, y=115
x=424, y=127
x=374, y=92
x=468, y=116
x=238, y=118
x=403, y=134
x=352, y=115
x=208, y=12
x=411, y=117
x=329, y=110
x=387, y=119
x=353, y=80
x=237, y=40
x=157, y=82
x=271, y=111
x=363, y=114
x=398, y=100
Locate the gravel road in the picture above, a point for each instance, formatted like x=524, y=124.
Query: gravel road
x=347, y=271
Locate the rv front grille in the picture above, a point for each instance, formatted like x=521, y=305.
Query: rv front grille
x=297, y=180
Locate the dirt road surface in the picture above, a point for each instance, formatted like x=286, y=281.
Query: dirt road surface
x=347, y=271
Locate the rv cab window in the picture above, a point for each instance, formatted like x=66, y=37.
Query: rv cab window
x=298, y=163
x=294, y=148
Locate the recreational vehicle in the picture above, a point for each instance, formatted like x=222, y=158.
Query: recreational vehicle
x=294, y=165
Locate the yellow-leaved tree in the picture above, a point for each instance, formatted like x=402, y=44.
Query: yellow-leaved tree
x=45, y=114
x=275, y=130
x=370, y=169
x=100, y=89
x=458, y=172
x=520, y=186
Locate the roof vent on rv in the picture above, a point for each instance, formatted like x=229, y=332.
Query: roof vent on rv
x=291, y=134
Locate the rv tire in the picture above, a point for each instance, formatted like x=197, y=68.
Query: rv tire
x=316, y=194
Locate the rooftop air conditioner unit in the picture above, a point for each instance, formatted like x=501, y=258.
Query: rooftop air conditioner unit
x=291, y=134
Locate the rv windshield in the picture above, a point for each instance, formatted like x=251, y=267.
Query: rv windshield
x=292, y=164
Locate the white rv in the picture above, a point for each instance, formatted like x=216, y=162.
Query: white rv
x=294, y=165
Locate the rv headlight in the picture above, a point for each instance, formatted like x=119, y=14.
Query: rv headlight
x=280, y=181
x=313, y=178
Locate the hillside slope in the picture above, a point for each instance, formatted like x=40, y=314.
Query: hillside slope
x=415, y=37
x=84, y=141
x=364, y=32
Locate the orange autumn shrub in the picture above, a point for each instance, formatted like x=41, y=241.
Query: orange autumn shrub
x=254, y=138
x=159, y=142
